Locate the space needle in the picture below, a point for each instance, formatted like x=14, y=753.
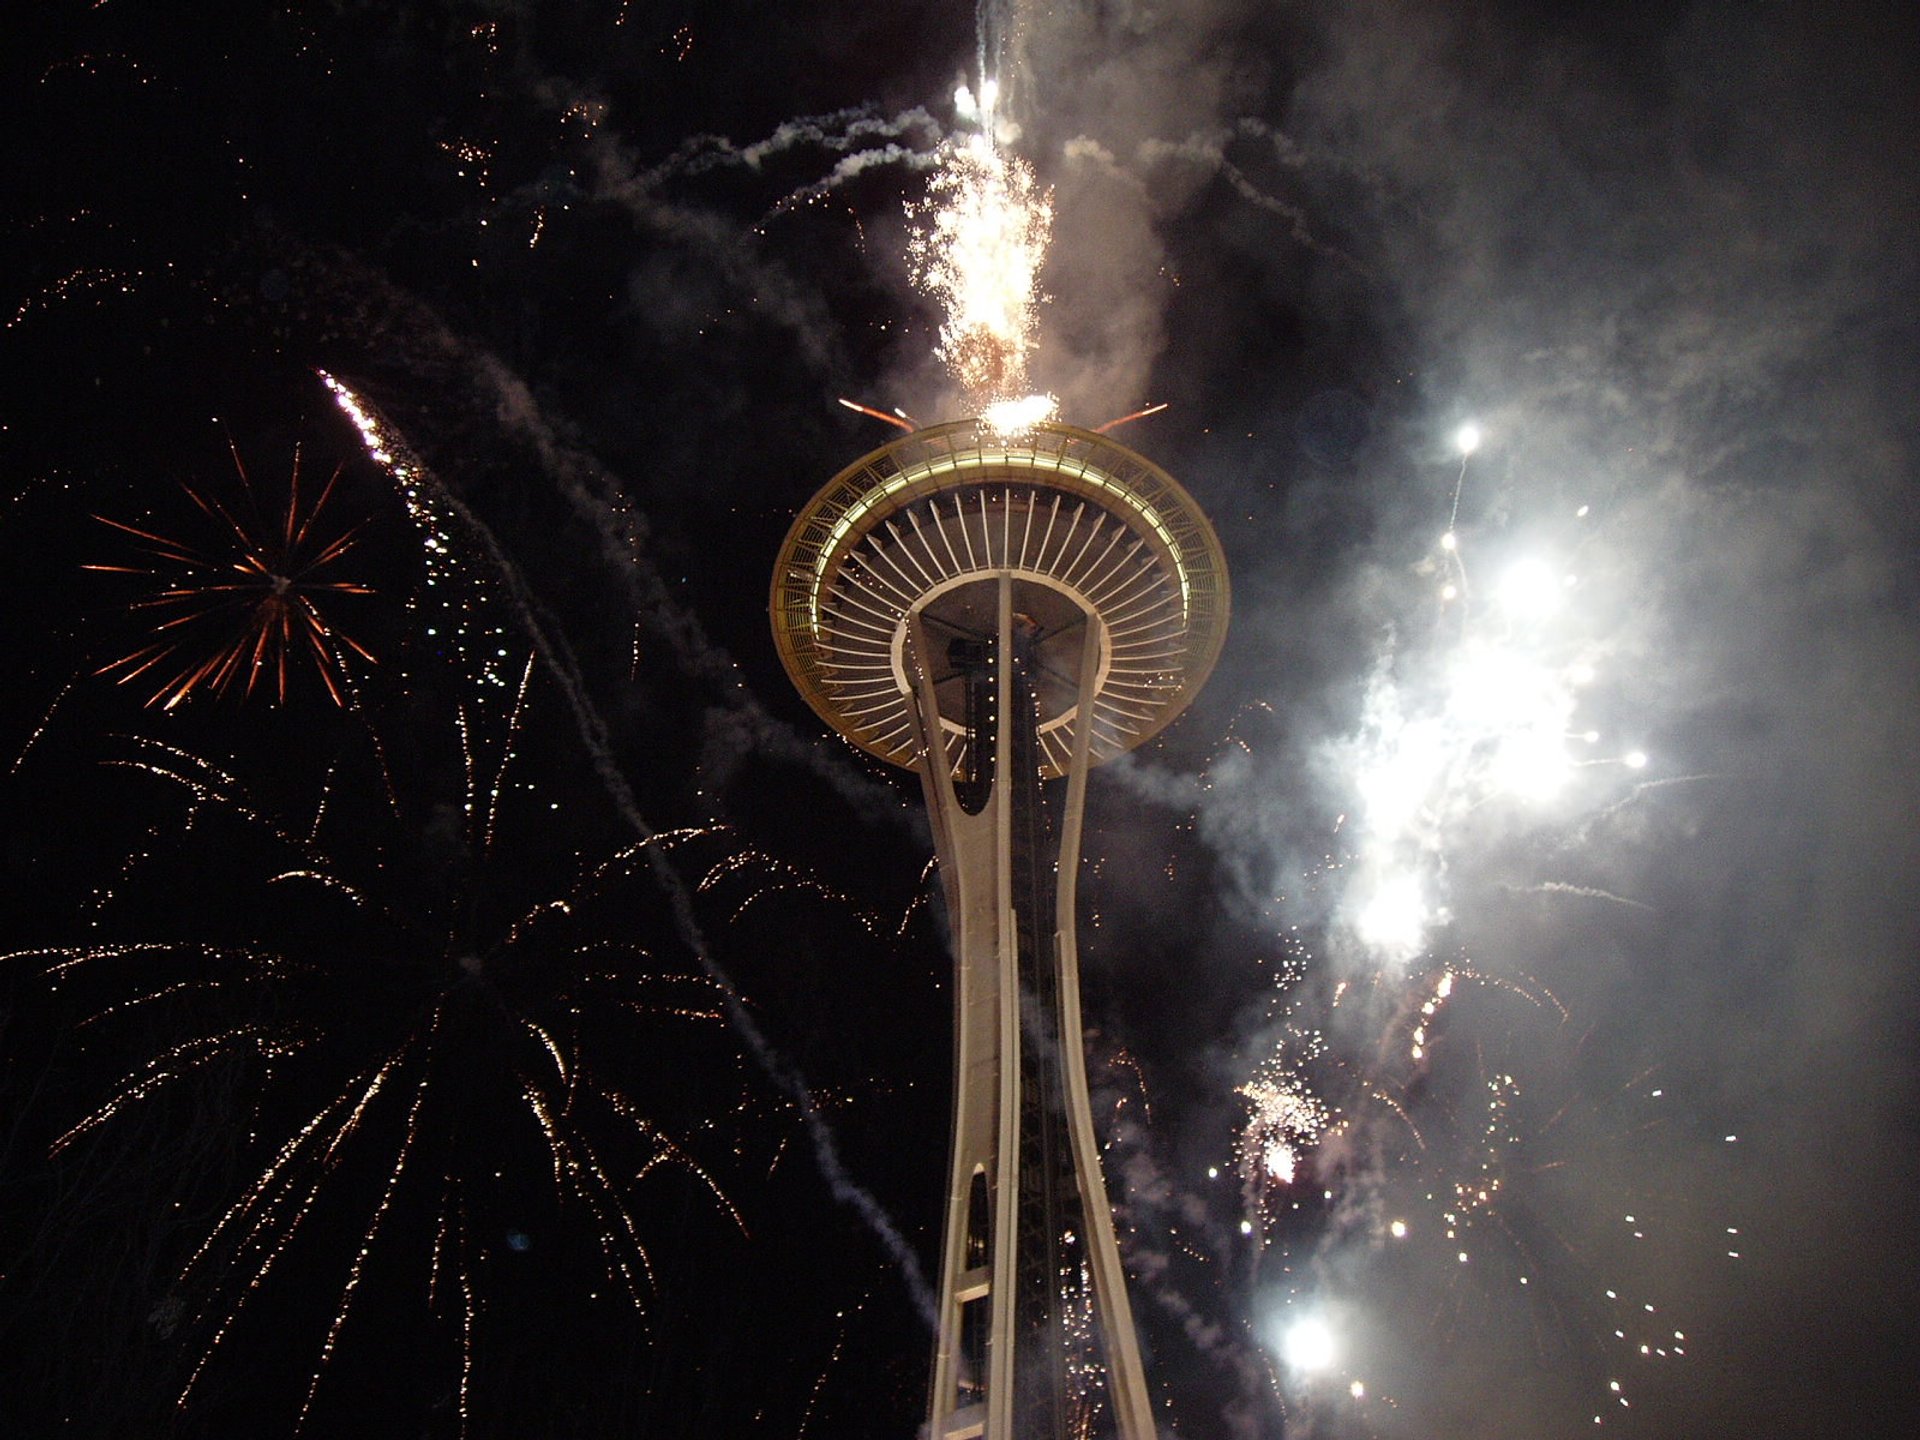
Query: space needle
x=1001, y=613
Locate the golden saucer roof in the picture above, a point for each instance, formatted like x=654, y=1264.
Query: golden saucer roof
x=1056, y=507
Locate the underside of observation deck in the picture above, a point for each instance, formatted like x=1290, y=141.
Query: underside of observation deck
x=1093, y=535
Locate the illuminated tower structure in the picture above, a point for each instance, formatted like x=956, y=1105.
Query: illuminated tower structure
x=1001, y=614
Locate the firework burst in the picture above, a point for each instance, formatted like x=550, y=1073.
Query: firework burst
x=248, y=606
x=1422, y=1109
x=413, y=1042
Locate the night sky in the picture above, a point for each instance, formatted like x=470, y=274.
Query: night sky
x=1501, y=982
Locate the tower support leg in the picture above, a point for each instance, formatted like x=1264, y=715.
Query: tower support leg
x=979, y=1360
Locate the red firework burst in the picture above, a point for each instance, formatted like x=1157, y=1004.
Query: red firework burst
x=246, y=607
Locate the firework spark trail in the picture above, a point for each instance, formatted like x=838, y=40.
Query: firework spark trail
x=374, y=1226
x=259, y=1227
x=574, y=1159
x=46, y=719
x=592, y=732
x=782, y=877
x=268, y=1223
x=469, y=1318
x=820, y=1384
x=921, y=894
x=208, y=785
x=84, y=281
x=171, y=1065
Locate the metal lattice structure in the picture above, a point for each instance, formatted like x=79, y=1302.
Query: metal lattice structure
x=999, y=613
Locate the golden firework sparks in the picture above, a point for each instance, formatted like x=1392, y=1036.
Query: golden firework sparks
x=980, y=237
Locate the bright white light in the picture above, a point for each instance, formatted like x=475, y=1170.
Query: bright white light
x=1531, y=589
x=1635, y=760
x=1357, y=1390
x=1532, y=766
x=1467, y=438
x=1308, y=1345
x=1394, y=917
x=1281, y=1162
x=1495, y=690
x=1449, y=541
x=1398, y=1229
x=1013, y=417
x=989, y=95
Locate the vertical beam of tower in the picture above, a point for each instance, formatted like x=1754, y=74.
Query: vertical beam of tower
x=1128, y=1387
x=1027, y=1209
x=1000, y=614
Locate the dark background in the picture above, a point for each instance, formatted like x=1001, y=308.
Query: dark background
x=1663, y=253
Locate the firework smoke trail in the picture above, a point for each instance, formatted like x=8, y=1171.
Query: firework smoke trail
x=849, y=133
x=598, y=499
x=1157, y=1215
x=1208, y=151
x=736, y=721
x=911, y=140
x=413, y=477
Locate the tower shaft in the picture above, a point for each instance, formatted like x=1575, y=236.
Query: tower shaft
x=1036, y=1337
